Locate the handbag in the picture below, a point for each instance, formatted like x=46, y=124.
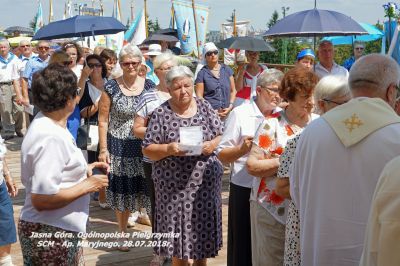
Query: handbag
x=83, y=139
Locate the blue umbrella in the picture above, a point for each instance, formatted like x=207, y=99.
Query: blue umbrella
x=373, y=34
x=79, y=26
x=315, y=22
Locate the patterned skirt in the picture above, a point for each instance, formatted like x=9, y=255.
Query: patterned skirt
x=127, y=189
x=43, y=244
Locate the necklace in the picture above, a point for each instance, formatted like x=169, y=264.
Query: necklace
x=126, y=86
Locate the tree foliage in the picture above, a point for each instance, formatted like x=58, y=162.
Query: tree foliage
x=152, y=26
x=277, y=57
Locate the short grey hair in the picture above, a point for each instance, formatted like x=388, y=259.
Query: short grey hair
x=374, y=72
x=160, y=59
x=24, y=41
x=178, y=72
x=130, y=50
x=6, y=42
x=270, y=77
x=330, y=87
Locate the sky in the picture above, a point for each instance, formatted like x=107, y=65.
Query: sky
x=258, y=12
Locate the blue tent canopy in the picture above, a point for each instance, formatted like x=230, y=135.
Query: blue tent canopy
x=373, y=34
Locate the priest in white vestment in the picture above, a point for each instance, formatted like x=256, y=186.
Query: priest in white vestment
x=382, y=240
x=338, y=161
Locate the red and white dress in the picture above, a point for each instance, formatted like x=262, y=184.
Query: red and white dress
x=272, y=136
x=249, y=86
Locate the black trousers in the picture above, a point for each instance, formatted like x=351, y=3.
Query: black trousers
x=239, y=234
x=147, y=169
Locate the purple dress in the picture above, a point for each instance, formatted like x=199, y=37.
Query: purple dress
x=187, y=188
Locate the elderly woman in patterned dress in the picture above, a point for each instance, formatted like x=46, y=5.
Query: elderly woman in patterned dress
x=127, y=190
x=330, y=92
x=187, y=188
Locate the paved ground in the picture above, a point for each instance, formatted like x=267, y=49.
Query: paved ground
x=104, y=221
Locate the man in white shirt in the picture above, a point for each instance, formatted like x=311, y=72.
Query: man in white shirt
x=327, y=65
x=11, y=112
x=337, y=163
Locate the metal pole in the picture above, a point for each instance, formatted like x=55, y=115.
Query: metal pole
x=234, y=23
x=145, y=18
x=195, y=27
x=315, y=4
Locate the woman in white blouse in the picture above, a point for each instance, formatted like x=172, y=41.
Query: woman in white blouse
x=55, y=175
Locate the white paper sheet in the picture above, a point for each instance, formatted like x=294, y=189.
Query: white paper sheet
x=191, y=140
x=28, y=109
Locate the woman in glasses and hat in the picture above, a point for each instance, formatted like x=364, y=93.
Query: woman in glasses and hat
x=215, y=82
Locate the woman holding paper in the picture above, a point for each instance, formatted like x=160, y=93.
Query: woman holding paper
x=187, y=187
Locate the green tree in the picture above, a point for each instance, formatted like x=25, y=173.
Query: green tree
x=276, y=57
x=152, y=26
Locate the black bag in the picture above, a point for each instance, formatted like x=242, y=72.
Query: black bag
x=83, y=139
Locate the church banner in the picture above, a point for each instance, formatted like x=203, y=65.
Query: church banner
x=227, y=32
x=184, y=19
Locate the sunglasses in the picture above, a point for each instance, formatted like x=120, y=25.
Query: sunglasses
x=359, y=48
x=66, y=63
x=127, y=64
x=43, y=48
x=211, y=53
x=94, y=65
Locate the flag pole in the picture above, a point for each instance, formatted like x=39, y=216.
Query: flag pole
x=119, y=9
x=173, y=15
x=145, y=18
x=51, y=10
x=195, y=27
x=234, y=23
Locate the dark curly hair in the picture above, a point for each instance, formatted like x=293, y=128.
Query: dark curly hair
x=296, y=80
x=101, y=60
x=53, y=87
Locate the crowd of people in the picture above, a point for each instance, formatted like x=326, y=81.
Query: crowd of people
x=312, y=154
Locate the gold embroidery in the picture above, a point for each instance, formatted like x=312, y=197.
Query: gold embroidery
x=353, y=122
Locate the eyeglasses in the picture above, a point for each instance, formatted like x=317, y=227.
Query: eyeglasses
x=78, y=91
x=24, y=46
x=127, y=64
x=274, y=90
x=94, y=65
x=43, y=48
x=211, y=53
x=359, y=48
x=337, y=103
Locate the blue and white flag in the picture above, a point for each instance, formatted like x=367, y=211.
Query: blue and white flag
x=185, y=25
x=137, y=31
x=39, y=18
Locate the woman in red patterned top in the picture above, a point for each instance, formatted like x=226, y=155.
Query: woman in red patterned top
x=246, y=77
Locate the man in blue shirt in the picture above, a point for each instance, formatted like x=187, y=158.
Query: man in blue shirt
x=358, y=52
x=34, y=64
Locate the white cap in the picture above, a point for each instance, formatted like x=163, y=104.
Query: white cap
x=154, y=49
x=208, y=47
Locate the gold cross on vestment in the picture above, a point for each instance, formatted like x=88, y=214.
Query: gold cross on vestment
x=353, y=122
